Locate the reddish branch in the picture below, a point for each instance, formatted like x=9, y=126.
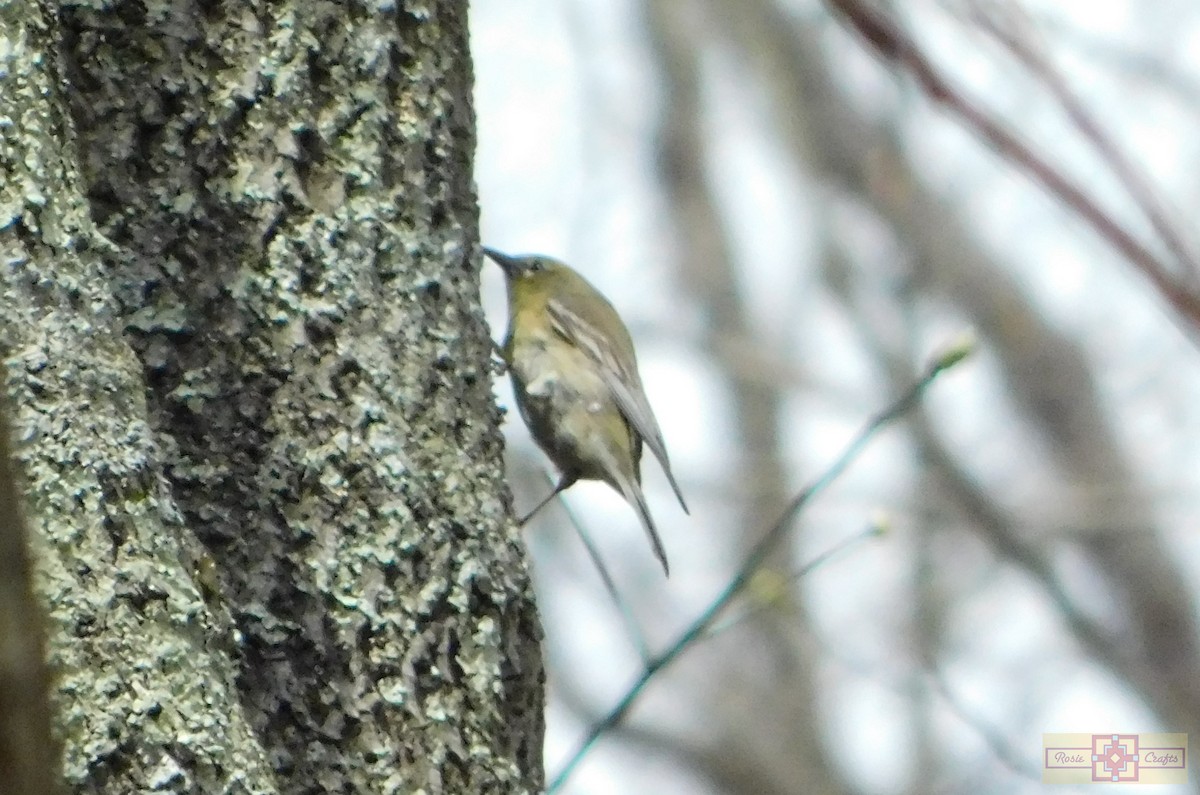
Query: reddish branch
x=1135, y=183
x=892, y=43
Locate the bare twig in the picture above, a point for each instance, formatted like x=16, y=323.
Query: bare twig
x=757, y=555
x=999, y=745
x=835, y=551
x=1136, y=184
x=893, y=44
x=636, y=636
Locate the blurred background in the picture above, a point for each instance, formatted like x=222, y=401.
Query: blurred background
x=792, y=228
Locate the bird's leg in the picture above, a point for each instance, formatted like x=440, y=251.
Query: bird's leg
x=564, y=483
x=500, y=366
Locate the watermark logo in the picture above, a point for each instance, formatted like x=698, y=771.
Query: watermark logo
x=1114, y=758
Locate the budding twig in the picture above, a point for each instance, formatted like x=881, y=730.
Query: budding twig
x=758, y=555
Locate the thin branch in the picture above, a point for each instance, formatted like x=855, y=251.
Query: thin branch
x=833, y=552
x=894, y=45
x=636, y=636
x=1146, y=68
x=997, y=743
x=1136, y=184
x=757, y=555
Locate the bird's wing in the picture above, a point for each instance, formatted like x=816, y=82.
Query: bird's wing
x=632, y=493
x=622, y=381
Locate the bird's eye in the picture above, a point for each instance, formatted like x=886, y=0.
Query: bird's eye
x=536, y=265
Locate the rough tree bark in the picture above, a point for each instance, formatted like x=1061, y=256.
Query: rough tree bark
x=252, y=393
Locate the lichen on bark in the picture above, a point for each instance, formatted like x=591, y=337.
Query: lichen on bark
x=284, y=341
x=141, y=697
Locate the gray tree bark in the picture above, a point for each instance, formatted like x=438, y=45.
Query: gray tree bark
x=251, y=382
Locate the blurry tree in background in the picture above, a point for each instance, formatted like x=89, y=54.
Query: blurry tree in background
x=840, y=187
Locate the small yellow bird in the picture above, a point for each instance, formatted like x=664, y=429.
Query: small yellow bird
x=575, y=376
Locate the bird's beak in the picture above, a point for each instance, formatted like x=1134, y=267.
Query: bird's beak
x=509, y=265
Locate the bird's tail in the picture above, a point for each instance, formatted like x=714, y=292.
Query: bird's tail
x=632, y=492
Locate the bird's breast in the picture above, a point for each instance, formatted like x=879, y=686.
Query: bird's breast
x=550, y=368
x=570, y=410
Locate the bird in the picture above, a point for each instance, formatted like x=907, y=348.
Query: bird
x=576, y=382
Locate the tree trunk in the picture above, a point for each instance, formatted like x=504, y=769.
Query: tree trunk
x=251, y=385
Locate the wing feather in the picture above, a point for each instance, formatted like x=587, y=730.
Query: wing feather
x=622, y=381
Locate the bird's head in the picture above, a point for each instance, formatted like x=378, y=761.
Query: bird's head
x=525, y=266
